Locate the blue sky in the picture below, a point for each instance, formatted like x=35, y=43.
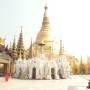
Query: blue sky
x=69, y=21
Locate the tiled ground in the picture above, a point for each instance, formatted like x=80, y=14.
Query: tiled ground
x=74, y=83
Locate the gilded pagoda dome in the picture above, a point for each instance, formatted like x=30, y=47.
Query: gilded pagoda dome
x=44, y=39
x=45, y=34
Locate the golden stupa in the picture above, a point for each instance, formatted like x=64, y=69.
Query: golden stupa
x=45, y=34
x=44, y=44
x=44, y=40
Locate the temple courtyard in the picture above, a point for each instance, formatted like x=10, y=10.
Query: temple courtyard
x=76, y=82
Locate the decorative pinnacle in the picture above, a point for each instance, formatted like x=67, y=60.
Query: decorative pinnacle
x=45, y=13
x=46, y=5
x=21, y=29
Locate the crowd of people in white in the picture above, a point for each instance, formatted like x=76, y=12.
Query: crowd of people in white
x=42, y=68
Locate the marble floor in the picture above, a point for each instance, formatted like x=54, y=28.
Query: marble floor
x=76, y=82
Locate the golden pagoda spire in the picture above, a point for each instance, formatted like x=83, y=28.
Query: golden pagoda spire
x=45, y=23
x=61, y=48
x=44, y=37
x=45, y=33
x=20, y=45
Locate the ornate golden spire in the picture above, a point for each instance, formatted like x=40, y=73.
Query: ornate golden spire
x=45, y=33
x=61, y=48
x=45, y=18
x=20, y=45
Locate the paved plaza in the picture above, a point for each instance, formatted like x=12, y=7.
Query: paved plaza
x=74, y=83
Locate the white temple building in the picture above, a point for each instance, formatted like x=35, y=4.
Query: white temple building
x=42, y=68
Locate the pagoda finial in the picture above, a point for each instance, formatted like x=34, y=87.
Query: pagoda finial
x=46, y=5
x=45, y=13
x=45, y=23
x=21, y=29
